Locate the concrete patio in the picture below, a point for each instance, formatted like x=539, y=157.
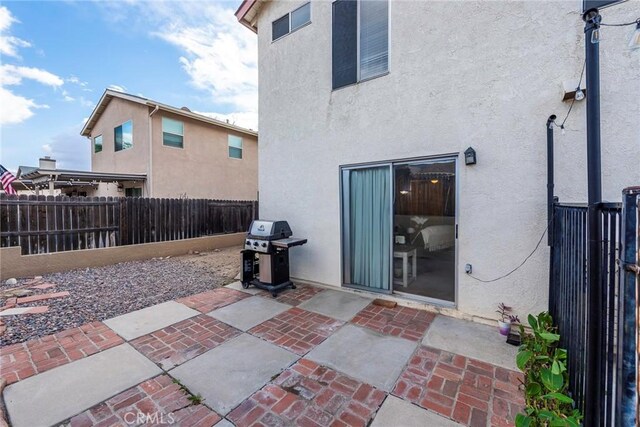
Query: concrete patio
x=311, y=357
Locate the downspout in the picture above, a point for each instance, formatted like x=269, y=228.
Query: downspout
x=150, y=164
x=550, y=178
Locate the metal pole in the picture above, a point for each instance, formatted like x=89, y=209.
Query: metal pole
x=550, y=178
x=627, y=393
x=593, y=382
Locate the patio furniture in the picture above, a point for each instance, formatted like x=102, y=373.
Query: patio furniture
x=405, y=252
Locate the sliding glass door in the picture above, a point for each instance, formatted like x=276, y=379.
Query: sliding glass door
x=367, y=194
x=399, y=228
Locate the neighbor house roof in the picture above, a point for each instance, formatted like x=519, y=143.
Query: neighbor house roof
x=110, y=94
x=247, y=13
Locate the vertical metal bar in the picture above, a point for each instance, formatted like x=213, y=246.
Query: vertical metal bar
x=550, y=178
x=627, y=375
x=594, y=337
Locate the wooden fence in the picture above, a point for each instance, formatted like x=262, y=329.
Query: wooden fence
x=42, y=224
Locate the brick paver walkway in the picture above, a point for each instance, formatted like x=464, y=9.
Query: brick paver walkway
x=467, y=390
x=158, y=401
x=208, y=301
x=297, y=330
x=403, y=322
x=310, y=395
x=20, y=361
x=175, y=344
x=295, y=296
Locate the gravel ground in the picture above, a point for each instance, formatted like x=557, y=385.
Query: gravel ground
x=104, y=292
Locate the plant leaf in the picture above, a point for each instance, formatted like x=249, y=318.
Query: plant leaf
x=555, y=368
x=560, y=397
x=533, y=322
x=523, y=420
x=548, y=336
x=522, y=358
x=534, y=389
x=550, y=380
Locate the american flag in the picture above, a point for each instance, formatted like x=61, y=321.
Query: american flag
x=6, y=178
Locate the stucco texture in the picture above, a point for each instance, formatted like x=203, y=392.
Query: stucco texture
x=201, y=169
x=480, y=74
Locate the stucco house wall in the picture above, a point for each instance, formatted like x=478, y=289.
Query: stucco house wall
x=480, y=74
x=201, y=169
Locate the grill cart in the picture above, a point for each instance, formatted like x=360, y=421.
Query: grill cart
x=265, y=257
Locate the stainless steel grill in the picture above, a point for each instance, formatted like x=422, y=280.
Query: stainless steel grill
x=265, y=258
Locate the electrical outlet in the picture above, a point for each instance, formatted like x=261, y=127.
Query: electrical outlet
x=468, y=269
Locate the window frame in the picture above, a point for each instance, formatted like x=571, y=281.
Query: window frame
x=288, y=15
x=101, y=144
x=358, y=73
x=181, y=147
x=229, y=147
x=122, y=143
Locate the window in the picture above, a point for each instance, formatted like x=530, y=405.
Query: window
x=133, y=192
x=360, y=44
x=291, y=21
x=235, y=147
x=123, y=136
x=97, y=144
x=172, y=133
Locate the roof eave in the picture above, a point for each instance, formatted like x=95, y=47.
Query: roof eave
x=242, y=12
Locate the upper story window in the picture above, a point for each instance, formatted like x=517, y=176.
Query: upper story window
x=291, y=21
x=360, y=45
x=235, y=147
x=97, y=144
x=123, y=136
x=172, y=133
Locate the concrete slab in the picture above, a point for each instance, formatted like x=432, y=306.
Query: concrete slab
x=366, y=355
x=339, y=305
x=400, y=413
x=249, y=312
x=141, y=322
x=55, y=395
x=471, y=339
x=231, y=372
x=24, y=310
x=238, y=287
x=224, y=423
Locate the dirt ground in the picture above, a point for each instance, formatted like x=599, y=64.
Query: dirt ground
x=226, y=262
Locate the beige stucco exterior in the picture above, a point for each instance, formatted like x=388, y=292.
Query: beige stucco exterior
x=201, y=169
x=461, y=73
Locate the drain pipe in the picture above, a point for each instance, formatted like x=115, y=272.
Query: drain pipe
x=150, y=164
x=550, y=178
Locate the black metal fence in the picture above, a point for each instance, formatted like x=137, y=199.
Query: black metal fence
x=568, y=300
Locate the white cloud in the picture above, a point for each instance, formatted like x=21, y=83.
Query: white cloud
x=70, y=150
x=67, y=97
x=13, y=75
x=117, y=88
x=14, y=108
x=218, y=54
x=247, y=120
x=9, y=45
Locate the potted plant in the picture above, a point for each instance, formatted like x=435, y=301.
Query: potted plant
x=504, y=323
x=513, y=337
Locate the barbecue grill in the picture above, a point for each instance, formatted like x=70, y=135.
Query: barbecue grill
x=265, y=258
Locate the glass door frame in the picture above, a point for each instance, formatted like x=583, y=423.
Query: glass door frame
x=345, y=240
x=345, y=231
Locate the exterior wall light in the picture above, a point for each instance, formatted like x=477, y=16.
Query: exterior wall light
x=434, y=181
x=634, y=43
x=470, y=156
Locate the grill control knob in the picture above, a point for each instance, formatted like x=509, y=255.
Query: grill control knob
x=264, y=245
x=255, y=243
x=248, y=242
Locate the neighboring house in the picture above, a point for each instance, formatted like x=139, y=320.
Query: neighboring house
x=182, y=154
x=47, y=180
x=366, y=110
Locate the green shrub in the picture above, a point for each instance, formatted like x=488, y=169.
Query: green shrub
x=545, y=377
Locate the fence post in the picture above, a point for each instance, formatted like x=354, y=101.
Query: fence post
x=627, y=375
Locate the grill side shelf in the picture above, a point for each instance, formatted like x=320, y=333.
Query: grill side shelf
x=288, y=243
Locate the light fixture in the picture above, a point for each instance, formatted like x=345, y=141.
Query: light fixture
x=404, y=192
x=434, y=181
x=579, y=96
x=469, y=156
x=634, y=43
x=595, y=35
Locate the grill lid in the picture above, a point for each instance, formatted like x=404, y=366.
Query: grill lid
x=269, y=230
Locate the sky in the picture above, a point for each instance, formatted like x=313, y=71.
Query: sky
x=58, y=57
